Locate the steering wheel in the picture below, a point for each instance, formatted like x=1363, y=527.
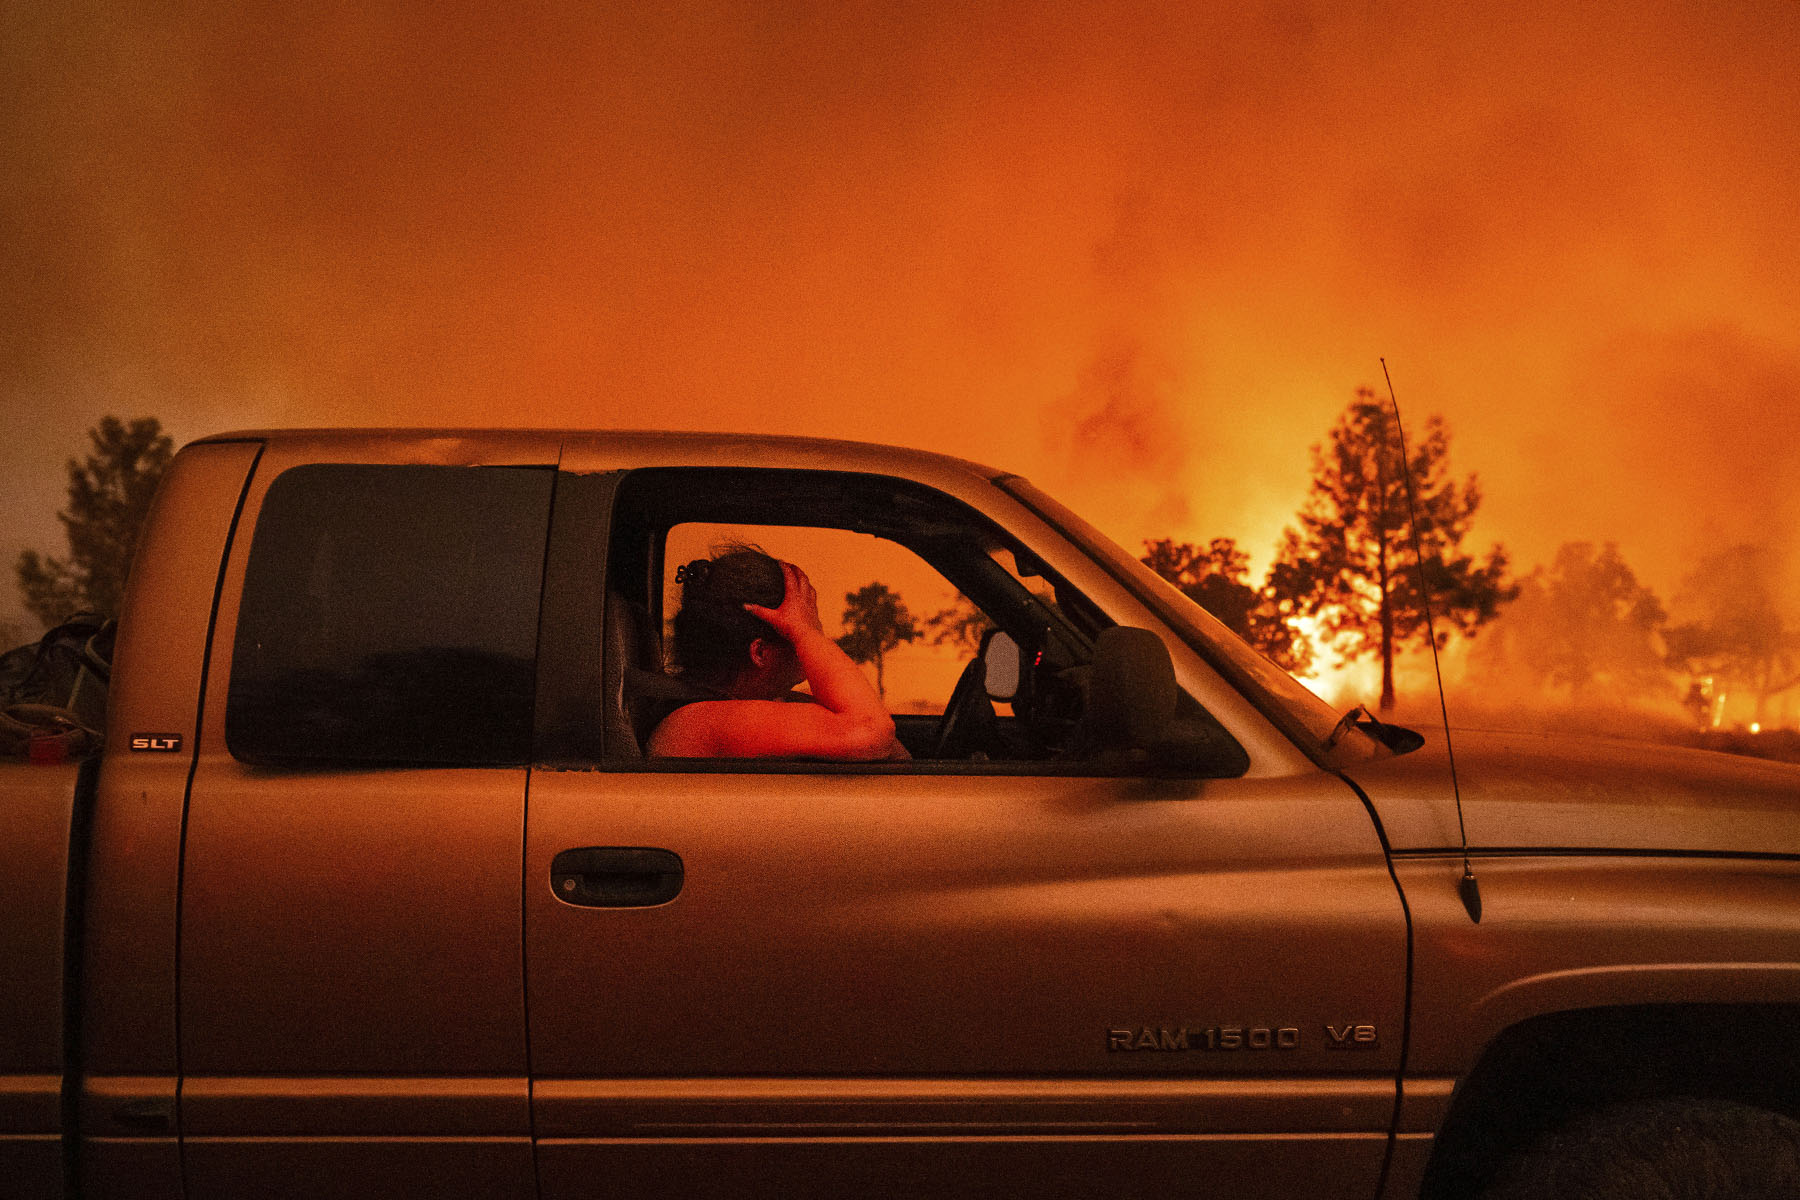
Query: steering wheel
x=967, y=706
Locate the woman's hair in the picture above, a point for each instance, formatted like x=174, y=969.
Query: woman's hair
x=713, y=633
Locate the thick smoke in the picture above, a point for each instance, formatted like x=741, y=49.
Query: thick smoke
x=1701, y=428
x=1142, y=252
x=1120, y=424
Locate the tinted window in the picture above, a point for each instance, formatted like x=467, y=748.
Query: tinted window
x=390, y=616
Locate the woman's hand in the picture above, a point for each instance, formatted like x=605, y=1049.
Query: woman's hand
x=799, y=611
x=836, y=682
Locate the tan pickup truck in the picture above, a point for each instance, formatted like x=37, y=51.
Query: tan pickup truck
x=372, y=892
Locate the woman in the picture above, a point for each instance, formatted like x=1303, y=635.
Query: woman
x=748, y=631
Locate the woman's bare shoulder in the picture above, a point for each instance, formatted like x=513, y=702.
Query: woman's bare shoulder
x=705, y=728
x=768, y=729
x=684, y=733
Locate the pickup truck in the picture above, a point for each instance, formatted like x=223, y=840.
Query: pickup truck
x=372, y=892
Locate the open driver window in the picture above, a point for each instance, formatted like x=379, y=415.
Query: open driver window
x=958, y=575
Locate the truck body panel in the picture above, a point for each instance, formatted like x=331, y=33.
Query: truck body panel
x=1013, y=943
x=1542, y=792
x=37, y=809
x=1566, y=932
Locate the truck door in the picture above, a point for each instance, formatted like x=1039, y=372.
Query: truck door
x=957, y=978
x=351, y=992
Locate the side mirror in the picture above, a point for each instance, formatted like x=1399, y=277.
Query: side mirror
x=1131, y=691
x=1000, y=656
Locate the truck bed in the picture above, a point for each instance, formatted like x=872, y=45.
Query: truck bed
x=38, y=809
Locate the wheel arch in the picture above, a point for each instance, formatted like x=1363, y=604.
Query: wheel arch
x=1540, y=1072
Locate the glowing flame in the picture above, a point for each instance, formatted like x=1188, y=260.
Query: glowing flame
x=1337, y=685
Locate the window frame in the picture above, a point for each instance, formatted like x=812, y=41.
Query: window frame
x=567, y=649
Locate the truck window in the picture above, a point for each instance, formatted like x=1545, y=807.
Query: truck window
x=937, y=557
x=390, y=616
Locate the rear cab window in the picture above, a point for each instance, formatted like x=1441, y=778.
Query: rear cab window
x=389, y=617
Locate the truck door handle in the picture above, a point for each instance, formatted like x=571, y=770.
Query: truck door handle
x=616, y=876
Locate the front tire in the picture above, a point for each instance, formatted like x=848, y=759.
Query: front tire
x=1673, y=1149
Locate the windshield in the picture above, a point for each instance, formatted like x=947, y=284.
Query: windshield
x=1281, y=697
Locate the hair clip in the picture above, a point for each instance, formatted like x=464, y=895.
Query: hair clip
x=694, y=572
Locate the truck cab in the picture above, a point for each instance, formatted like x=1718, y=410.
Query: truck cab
x=375, y=892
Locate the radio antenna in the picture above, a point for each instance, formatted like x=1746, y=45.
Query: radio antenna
x=1467, y=885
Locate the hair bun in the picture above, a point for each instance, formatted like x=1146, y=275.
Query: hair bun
x=693, y=574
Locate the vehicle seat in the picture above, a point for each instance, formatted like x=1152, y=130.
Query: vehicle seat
x=631, y=653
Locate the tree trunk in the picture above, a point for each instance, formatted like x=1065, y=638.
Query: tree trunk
x=880, y=685
x=1387, y=658
x=1762, y=690
x=1386, y=703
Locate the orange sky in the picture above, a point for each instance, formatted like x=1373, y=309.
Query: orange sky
x=1142, y=254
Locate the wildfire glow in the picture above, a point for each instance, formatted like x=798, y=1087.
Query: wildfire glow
x=1339, y=685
